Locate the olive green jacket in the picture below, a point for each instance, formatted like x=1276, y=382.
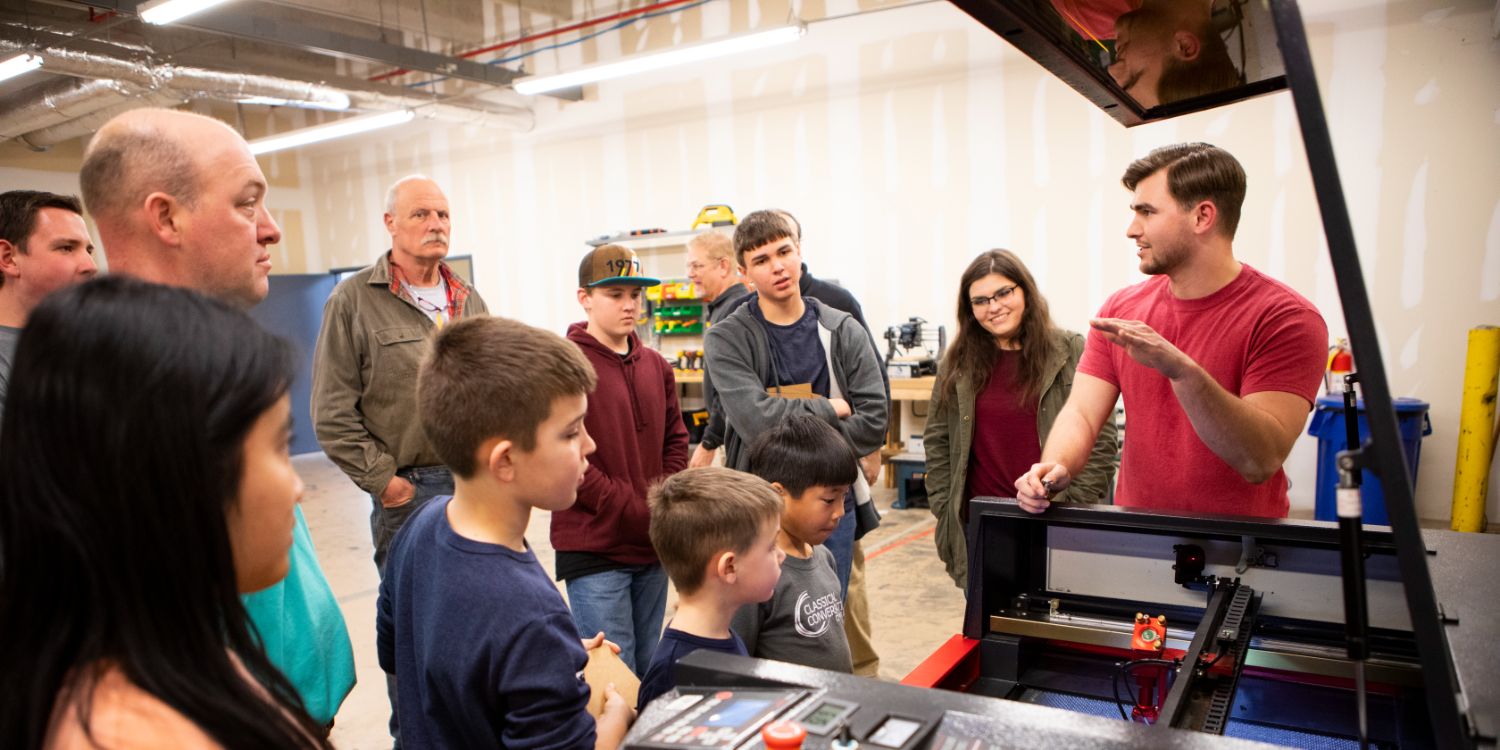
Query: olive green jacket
x=364, y=383
x=949, y=440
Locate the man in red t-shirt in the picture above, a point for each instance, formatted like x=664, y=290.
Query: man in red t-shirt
x=1218, y=363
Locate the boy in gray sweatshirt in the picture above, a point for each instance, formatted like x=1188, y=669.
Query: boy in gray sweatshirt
x=810, y=465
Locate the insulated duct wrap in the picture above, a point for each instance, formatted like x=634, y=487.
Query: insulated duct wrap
x=121, y=84
x=86, y=125
x=65, y=101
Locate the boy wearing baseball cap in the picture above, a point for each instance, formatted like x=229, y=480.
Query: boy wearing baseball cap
x=604, y=555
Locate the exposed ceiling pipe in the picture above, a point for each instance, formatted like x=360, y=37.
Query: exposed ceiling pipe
x=144, y=78
x=63, y=101
x=155, y=77
x=518, y=119
x=45, y=138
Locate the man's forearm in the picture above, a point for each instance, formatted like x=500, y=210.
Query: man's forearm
x=1247, y=438
x=1070, y=441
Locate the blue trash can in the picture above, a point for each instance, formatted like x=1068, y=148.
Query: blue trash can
x=1328, y=427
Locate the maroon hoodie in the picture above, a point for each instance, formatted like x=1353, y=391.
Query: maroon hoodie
x=634, y=419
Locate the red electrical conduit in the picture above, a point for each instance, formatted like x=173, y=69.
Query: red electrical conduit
x=550, y=33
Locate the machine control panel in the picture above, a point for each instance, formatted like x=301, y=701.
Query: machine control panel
x=733, y=717
x=720, y=718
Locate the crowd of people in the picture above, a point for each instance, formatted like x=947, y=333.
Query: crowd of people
x=157, y=579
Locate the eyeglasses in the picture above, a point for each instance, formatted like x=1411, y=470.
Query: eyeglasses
x=431, y=309
x=999, y=296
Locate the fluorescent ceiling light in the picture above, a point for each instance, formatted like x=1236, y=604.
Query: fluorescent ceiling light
x=22, y=63
x=334, y=101
x=656, y=61
x=166, y=11
x=315, y=134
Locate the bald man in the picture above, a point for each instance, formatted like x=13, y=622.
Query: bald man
x=179, y=200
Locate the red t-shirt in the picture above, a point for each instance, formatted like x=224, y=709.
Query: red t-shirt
x=1256, y=334
x=1005, y=439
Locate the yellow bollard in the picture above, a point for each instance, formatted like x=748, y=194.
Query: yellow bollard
x=1476, y=429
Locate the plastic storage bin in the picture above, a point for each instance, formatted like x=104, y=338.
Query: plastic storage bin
x=911, y=480
x=1328, y=427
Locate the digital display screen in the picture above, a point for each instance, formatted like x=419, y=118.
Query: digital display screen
x=894, y=732
x=736, y=713
x=824, y=714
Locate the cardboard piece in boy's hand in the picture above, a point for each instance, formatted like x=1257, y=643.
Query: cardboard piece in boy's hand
x=604, y=667
x=796, y=390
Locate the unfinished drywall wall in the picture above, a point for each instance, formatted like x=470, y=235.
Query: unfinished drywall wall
x=908, y=140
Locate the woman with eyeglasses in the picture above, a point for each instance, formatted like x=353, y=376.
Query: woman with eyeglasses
x=1001, y=384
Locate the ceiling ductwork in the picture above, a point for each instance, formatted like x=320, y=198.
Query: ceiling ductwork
x=64, y=101
x=43, y=138
x=71, y=109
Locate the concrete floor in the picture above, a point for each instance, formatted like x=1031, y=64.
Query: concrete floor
x=914, y=605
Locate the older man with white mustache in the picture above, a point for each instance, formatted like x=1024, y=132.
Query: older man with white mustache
x=375, y=331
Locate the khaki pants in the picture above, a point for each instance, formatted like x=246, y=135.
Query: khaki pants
x=857, y=619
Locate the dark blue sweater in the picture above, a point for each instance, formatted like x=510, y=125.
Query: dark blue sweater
x=674, y=645
x=483, y=648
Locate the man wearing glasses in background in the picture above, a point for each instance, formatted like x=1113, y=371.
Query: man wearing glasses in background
x=712, y=268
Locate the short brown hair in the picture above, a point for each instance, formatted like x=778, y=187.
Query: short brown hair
x=18, y=211
x=759, y=228
x=1196, y=172
x=488, y=377
x=698, y=513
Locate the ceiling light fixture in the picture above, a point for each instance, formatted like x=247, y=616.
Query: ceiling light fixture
x=333, y=101
x=531, y=85
x=18, y=65
x=161, y=12
x=340, y=129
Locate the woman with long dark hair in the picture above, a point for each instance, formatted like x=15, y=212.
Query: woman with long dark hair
x=1004, y=379
x=145, y=484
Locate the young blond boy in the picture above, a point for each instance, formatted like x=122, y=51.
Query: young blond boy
x=715, y=532
x=482, y=646
x=810, y=465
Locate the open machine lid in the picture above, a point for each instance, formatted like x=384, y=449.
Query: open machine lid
x=1145, y=60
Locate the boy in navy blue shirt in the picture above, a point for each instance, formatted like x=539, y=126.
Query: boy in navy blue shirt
x=482, y=646
x=715, y=532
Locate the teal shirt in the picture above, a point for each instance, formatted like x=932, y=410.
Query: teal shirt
x=303, y=630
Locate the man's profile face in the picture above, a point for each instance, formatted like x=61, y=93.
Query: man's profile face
x=1140, y=57
x=57, y=253
x=706, y=272
x=776, y=269
x=419, y=222
x=227, y=231
x=1162, y=230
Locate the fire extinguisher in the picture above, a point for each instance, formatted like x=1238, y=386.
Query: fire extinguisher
x=1340, y=363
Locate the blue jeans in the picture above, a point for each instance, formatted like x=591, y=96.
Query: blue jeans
x=628, y=604
x=841, y=544
x=429, y=482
